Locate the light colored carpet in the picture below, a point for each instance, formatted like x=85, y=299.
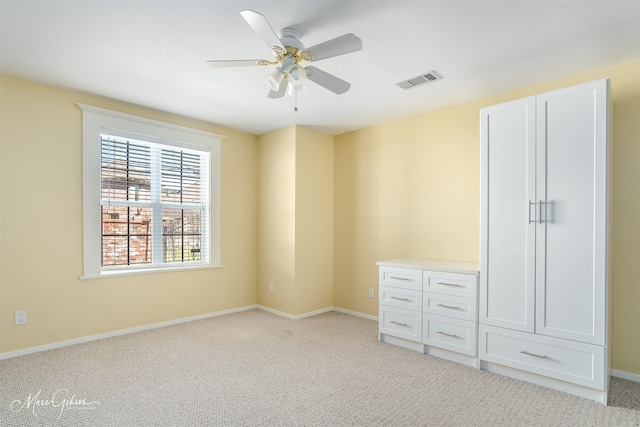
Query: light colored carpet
x=257, y=369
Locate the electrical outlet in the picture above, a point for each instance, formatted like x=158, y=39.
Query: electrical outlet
x=270, y=287
x=20, y=318
x=371, y=293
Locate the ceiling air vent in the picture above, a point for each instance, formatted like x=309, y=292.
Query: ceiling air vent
x=429, y=77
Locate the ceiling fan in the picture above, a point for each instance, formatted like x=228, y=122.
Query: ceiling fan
x=288, y=51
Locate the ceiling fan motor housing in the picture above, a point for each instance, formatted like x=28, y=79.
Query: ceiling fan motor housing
x=291, y=37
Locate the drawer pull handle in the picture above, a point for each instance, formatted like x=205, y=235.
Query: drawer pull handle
x=398, y=323
x=449, y=284
x=400, y=299
x=453, y=307
x=448, y=335
x=398, y=278
x=541, y=356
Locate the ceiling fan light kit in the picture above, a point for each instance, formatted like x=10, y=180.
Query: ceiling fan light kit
x=274, y=79
x=296, y=74
x=288, y=51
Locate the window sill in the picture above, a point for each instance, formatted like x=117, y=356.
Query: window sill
x=118, y=273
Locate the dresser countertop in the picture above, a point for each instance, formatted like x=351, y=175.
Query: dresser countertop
x=433, y=264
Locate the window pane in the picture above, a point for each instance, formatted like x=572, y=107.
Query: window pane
x=181, y=235
x=126, y=235
x=181, y=175
x=126, y=170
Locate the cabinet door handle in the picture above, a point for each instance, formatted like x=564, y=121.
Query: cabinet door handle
x=449, y=284
x=529, y=211
x=540, y=212
x=400, y=299
x=398, y=278
x=447, y=335
x=398, y=323
x=541, y=356
x=453, y=307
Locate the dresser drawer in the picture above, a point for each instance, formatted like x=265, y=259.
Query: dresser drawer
x=401, y=323
x=450, y=334
x=464, y=285
x=450, y=306
x=565, y=360
x=401, y=298
x=405, y=278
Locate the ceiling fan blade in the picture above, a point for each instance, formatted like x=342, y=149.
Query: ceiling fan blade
x=236, y=62
x=339, y=46
x=261, y=26
x=328, y=81
x=280, y=92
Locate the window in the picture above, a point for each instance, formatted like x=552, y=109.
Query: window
x=151, y=195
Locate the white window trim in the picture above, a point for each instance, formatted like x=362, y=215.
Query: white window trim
x=94, y=121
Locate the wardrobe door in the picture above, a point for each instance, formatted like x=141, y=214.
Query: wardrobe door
x=508, y=210
x=571, y=234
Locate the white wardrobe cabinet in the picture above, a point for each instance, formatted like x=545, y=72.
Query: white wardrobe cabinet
x=544, y=218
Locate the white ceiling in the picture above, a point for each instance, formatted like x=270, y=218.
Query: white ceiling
x=153, y=53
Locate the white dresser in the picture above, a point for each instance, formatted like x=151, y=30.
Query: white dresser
x=430, y=306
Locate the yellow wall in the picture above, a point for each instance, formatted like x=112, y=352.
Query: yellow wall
x=295, y=220
x=41, y=248
x=277, y=216
x=411, y=188
x=314, y=221
x=626, y=236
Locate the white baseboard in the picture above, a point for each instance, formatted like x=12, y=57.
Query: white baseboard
x=356, y=313
x=59, y=344
x=89, y=338
x=625, y=375
x=316, y=312
x=293, y=316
